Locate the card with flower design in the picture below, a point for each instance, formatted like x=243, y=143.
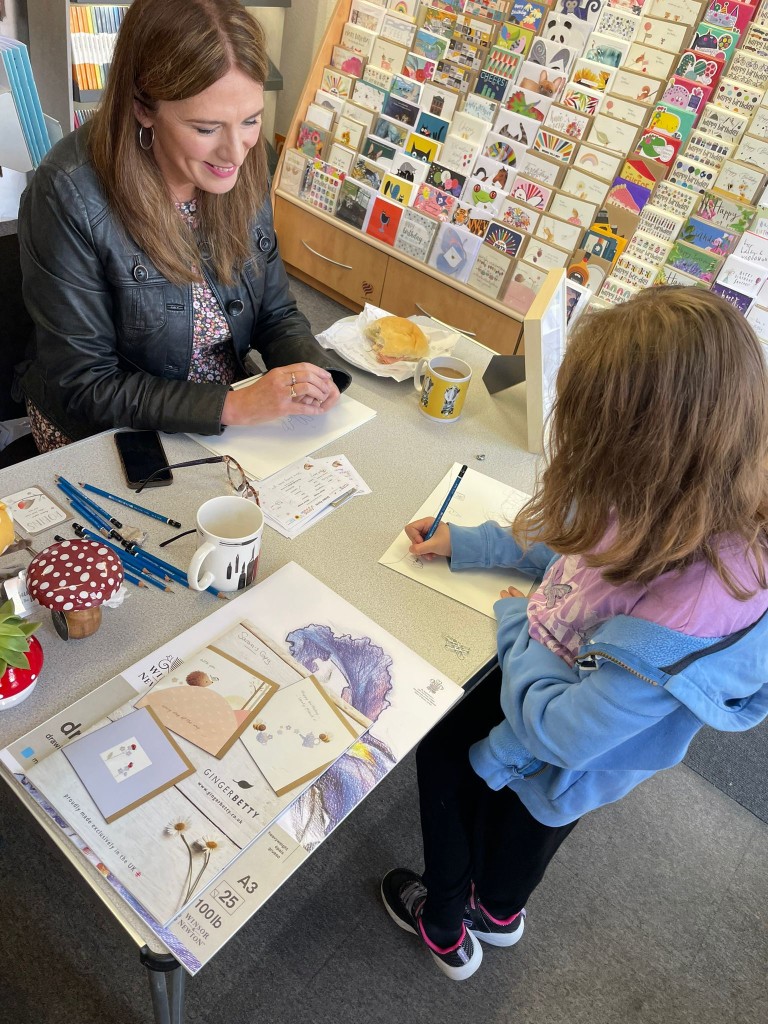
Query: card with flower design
x=581, y=99
x=725, y=212
x=592, y=74
x=582, y=185
x=518, y=216
x=566, y=122
x=706, y=236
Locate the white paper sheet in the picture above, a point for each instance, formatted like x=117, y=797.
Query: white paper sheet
x=478, y=499
x=296, y=498
x=264, y=449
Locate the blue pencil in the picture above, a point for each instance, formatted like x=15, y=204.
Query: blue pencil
x=446, y=503
x=70, y=489
x=120, y=552
x=130, y=504
x=177, y=574
x=90, y=517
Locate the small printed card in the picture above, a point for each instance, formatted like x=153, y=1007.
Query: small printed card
x=415, y=234
x=725, y=213
x=689, y=260
x=454, y=251
x=33, y=511
x=489, y=271
x=708, y=237
x=692, y=175
x=126, y=763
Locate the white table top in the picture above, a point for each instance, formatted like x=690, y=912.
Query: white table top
x=400, y=454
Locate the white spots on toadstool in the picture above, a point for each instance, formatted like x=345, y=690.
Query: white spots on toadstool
x=68, y=606
x=84, y=576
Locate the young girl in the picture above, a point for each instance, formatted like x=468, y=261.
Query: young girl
x=651, y=528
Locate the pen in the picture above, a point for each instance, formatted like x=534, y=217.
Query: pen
x=445, y=504
x=130, y=504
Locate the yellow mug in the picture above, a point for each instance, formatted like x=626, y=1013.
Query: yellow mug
x=443, y=382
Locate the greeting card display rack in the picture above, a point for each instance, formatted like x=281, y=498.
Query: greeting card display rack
x=633, y=132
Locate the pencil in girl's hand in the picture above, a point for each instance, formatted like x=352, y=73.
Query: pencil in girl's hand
x=446, y=503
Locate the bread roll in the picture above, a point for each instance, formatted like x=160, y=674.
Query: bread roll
x=395, y=339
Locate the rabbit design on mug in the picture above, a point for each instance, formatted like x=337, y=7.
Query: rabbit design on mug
x=545, y=86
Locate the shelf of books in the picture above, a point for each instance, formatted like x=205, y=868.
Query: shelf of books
x=470, y=146
x=26, y=133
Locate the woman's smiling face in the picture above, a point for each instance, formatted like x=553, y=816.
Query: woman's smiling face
x=201, y=142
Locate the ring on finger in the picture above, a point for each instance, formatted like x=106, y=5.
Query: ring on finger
x=293, y=391
x=293, y=379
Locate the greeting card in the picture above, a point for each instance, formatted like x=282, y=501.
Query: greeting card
x=408, y=168
x=596, y=160
x=393, y=132
x=292, y=174
x=752, y=248
x=541, y=168
x=736, y=298
x=758, y=319
x=742, y=181
x=418, y=67
x=735, y=96
x=349, y=132
x=298, y=735
x=573, y=211
x=529, y=104
x=659, y=223
x=662, y=34
x=567, y=122
x=606, y=50
x=348, y=61
x=634, y=271
x=415, y=234
x=503, y=63
x=551, y=53
x=698, y=67
x=388, y=56
x=210, y=699
x=676, y=278
x=503, y=149
x=378, y=151
x=550, y=144
x=708, y=149
x=609, y=132
x=458, y=154
x=558, y=232
x=438, y=101
x=128, y=762
x=505, y=239
x=396, y=189
x=358, y=38
x=750, y=69
x=368, y=172
x=479, y=106
x=353, y=202
x=708, y=237
x=489, y=271
x=752, y=150
x=378, y=76
x=434, y=202
x=546, y=256
x=444, y=178
x=647, y=248
x=690, y=174
x=406, y=89
x=581, y=99
x=614, y=290
x=420, y=148
x=518, y=215
x=673, y=199
x=625, y=110
x=453, y=251
x=401, y=110
x=632, y=85
x=591, y=74
x=619, y=23
x=522, y=286
x=337, y=83
x=383, y=220
x=427, y=44
x=492, y=87
x=396, y=29
x=686, y=95
x=432, y=127
x=368, y=95
x=532, y=193
x=672, y=120
x=714, y=41
x=367, y=15
x=689, y=260
x=656, y=145
x=725, y=213
x=584, y=186
x=341, y=157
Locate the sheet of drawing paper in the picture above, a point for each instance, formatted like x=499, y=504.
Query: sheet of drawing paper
x=478, y=499
x=268, y=447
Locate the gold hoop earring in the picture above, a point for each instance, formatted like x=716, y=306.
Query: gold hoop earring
x=151, y=131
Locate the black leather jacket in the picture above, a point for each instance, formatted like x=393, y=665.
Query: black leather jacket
x=113, y=338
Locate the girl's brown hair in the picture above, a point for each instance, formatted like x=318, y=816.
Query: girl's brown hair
x=171, y=50
x=658, y=446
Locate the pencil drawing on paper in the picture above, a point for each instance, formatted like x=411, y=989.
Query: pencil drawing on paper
x=366, y=680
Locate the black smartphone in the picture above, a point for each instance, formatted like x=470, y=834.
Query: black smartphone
x=142, y=454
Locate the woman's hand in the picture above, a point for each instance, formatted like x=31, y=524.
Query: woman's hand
x=299, y=389
x=511, y=592
x=438, y=544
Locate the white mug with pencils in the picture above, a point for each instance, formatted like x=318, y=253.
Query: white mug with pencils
x=230, y=530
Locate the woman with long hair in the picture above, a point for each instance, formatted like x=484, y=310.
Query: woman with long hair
x=150, y=264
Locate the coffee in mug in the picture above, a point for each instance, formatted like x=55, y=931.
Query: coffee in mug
x=442, y=382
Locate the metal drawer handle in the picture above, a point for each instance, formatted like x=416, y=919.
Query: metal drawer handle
x=469, y=334
x=344, y=266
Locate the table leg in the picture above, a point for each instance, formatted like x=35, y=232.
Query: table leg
x=166, y=985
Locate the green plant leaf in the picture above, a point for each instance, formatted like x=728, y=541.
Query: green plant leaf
x=16, y=659
x=14, y=643
x=28, y=628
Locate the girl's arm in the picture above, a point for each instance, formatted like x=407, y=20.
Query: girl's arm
x=491, y=546
x=558, y=715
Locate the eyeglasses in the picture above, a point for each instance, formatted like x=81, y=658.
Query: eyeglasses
x=238, y=481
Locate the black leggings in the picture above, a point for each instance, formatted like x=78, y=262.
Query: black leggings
x=470, y=832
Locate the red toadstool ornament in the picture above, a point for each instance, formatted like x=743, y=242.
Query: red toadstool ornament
x=74, y=578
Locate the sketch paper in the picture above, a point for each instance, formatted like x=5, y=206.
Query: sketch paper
x=478, y=499
x=264, y=449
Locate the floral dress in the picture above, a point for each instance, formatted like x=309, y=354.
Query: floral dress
x=213, y=354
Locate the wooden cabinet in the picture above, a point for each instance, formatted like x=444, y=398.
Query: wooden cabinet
x=327, y=257
x=408, y=291
x=354, y=268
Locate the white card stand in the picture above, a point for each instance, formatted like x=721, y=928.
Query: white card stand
x=545, y=331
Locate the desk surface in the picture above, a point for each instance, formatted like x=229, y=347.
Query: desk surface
x=400, y=454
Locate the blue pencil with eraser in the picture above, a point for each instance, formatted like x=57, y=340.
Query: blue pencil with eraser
x=446, y=503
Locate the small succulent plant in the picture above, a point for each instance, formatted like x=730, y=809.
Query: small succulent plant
x=14, y=638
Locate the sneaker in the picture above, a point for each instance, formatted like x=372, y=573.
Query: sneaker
x=403, y=894
x=493, y=930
